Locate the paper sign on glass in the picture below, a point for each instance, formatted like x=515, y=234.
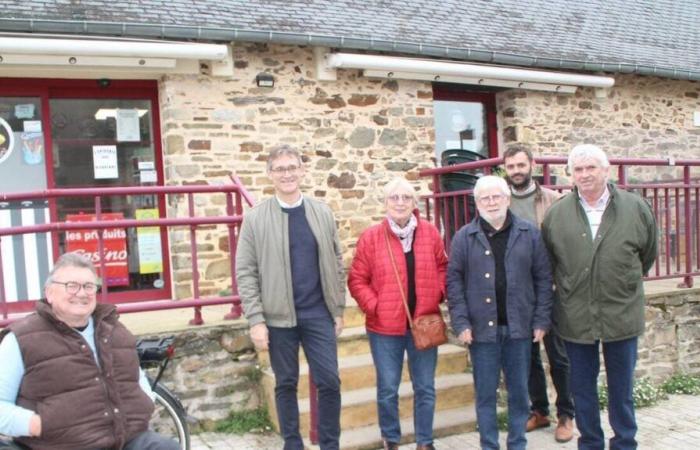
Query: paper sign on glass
x=150, y=257
x=24, y=111
x=128, y=129
x=32, y=126
x=104, y=161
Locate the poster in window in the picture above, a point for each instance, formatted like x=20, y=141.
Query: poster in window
x=7, y=140
x=150, y=257
x=32, y=148
x=128, y=128
x=104, y=161
x=115, y=253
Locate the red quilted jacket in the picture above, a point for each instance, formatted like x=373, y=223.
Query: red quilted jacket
x=373, y=284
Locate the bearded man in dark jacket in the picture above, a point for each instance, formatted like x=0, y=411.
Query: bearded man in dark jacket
x=70, y=376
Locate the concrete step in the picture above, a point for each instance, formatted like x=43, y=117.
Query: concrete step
x=360, y=408
x=446, y=422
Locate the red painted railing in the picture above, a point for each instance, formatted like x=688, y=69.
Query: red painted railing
x=235, y=195
x=675, y=201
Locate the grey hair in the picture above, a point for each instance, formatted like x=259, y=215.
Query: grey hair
x=399, y=183
x=282, y=150
x=587, y=151
x=488, y=182
x=71, y=259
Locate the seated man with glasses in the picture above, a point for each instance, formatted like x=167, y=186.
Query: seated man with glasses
x=70, y=375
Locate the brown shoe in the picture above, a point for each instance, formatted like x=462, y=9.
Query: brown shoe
x=425, y=447
x=390, y=445
x=537, y=420
x=565, y=429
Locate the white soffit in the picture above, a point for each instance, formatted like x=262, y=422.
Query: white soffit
x=464, y=73
x=112, y=58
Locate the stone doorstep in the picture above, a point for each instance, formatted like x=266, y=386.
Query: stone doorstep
x=360, y=409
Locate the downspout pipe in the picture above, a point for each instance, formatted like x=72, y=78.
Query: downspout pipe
x=227, y=34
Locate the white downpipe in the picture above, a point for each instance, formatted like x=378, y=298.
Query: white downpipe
x=443, y=68
x=134, y=49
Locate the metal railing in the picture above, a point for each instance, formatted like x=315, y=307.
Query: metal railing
x=675, y=202
x=235, y=195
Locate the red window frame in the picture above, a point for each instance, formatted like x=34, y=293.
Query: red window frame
x=47, y=89
x=458, y=93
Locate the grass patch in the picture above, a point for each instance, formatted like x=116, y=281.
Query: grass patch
x=502, y=420
x=681, y=383
x=241, y=422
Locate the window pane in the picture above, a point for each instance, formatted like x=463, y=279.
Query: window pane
x=460, y=126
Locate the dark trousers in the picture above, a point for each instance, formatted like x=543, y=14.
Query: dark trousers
x=620, y=359
x=317, y=338
x=148, y=440
x=558, y=369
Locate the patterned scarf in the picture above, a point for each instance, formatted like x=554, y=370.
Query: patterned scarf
x=404, y=234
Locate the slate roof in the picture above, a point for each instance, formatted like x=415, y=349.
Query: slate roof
x=649, y=33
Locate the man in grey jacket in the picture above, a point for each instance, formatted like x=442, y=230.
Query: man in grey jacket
x=291, y=281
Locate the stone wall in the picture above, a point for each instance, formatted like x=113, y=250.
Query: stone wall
x=639, y=117
x=355, y=134
x=671, y=341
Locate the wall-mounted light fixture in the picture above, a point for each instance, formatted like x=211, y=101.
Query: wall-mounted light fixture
x=264, y=80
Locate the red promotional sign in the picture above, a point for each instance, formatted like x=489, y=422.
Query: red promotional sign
x=86, y=242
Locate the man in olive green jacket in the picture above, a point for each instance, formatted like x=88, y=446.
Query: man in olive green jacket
x=602, y=241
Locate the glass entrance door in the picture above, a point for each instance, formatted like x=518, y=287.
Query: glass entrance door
x=109, y=143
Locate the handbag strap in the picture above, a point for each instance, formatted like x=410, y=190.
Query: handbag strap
x=398, y=278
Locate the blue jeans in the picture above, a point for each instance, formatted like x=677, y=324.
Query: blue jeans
x=317, y=338
x=387, y=353
x=559, y=370
x=513, y=356
x=620, y=359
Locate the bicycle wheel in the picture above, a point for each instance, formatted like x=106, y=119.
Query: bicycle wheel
x=169, y=418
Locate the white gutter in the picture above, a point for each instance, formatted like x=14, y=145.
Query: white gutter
x=454, y=69
x=112, y=47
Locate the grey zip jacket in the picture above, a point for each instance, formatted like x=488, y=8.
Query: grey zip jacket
x=263, y=267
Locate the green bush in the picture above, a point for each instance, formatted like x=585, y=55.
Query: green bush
x=681, y=383
x=240, y=422
x=644, y=394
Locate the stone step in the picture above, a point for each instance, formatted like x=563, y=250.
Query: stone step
x=360, y=408
x=353, y=341
x=357, y=372
x=446, y=422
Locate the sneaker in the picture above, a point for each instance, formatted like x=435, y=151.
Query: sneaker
x=537, y=420
x=565, y=429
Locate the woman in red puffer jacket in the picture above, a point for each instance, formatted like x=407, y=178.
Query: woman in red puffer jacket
x=421, y=263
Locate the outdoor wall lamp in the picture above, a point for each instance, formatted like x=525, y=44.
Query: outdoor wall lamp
x=264, y=80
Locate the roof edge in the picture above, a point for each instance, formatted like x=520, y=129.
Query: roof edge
x=179, y=32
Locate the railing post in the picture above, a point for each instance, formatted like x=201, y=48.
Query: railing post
x=436, y=201
x=101, y=249
x=688, y=280
x=546, y=174
x=313, y=411
x=236, y=309
x=197, y=320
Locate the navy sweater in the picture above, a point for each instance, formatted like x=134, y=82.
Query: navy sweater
x=306, y=276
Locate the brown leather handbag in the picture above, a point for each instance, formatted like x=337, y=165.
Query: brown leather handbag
x=428, y=331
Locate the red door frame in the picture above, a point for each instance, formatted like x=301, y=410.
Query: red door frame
x=457, y=93
x=47, y=89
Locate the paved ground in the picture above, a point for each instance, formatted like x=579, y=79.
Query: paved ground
x=673, y=424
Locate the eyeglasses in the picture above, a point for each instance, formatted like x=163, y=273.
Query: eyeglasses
x=73, y=287
x=394, y=198
x=281, y=170
x=496, y=198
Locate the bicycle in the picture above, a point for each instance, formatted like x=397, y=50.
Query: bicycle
x=169, y=417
